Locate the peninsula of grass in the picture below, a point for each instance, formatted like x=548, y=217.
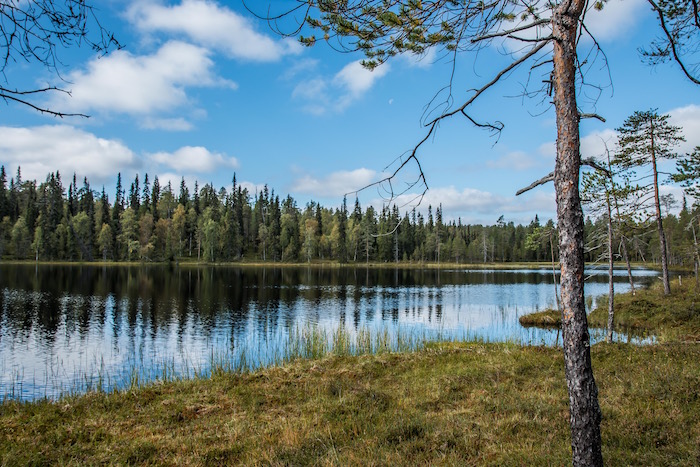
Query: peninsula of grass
x=444, y=404
x=674, y=317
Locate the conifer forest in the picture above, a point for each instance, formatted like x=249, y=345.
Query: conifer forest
x=149, y=222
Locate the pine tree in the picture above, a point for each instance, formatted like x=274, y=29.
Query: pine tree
x=646, y=138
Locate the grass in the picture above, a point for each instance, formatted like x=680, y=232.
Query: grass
x=355, y=400
x=449, y=404
x=542, y=319
x=671, y=318
x=675, y=317
x=192, y=262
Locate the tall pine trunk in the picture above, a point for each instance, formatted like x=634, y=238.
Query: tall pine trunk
x=659, y=221
x=583, y=393
x=611, y=285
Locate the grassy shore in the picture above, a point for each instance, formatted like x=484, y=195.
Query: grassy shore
x=445, y=404
x=672, y=318
x=449, y=404
x=188, y=262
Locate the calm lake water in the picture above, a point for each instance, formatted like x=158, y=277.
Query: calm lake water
x=65, y=328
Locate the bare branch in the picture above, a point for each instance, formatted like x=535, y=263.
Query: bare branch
x=35, y=31
x=672, y=40
x=508, y=32
x=546, y=179
x=488, y=85
x=591, y=115
x=10, y=97
x=591, y=162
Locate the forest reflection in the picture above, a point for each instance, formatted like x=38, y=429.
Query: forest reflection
x=57, y=319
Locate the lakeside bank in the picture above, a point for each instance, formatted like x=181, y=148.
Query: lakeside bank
x=449, y=403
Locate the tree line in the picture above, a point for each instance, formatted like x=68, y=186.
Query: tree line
x=147, y=222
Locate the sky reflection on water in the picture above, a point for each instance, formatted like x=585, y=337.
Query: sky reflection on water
x=63, y=328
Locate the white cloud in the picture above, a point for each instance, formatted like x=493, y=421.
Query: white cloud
x=688, y=118
x=252, y=188
x=336, y=94
x=477, y=206
x=299, y=67
x=424, y=60
x=357, y=79
x=167, y=124
x=213, y=26
x=335, y=184
x=141, y=85
x=44, y=149
x=593, y=144
x=194, y=159
x=616, y=19
x=311, y=89
x=548, y=150
x=516, y=160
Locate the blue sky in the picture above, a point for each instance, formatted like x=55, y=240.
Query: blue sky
x=202, y=90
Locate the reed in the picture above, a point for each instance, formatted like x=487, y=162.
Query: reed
x=309, y=342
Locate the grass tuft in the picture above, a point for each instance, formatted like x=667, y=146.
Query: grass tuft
x=542, y=319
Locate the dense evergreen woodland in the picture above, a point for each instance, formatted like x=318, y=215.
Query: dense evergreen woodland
x=44, y=221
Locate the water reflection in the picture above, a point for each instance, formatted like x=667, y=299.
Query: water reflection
x=62, y=327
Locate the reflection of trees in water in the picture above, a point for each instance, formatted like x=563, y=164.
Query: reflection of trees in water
x=150, y=300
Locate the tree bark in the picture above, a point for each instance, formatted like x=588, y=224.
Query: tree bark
x=583, y=393
x=554, y=274
x=611, y=285
x=625, y=254
x=659, y=221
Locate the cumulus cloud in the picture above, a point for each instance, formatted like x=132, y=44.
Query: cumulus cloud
x=478, y=206
x=213, y=26
x=44, y=149
x=141, y=85
x=194, y=159
x=322, y=94
x=688, y=118
x=300, y=67
x=357, y=79
x=616, y=19
x=335, y=184
x=593, y=144
x=516, y=160
x=166, y=124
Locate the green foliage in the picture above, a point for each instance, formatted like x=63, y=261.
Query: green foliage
x=646, y=137
x=688, y=172
x=221, y=226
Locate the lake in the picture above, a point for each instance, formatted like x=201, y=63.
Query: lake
x=69, y=328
